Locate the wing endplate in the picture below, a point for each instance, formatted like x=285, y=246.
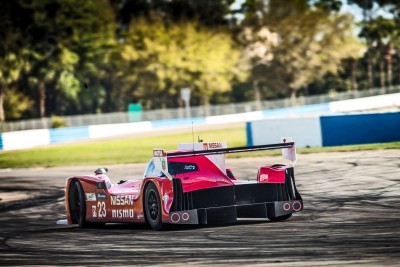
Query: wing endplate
x=161, y=161
x=289, y=153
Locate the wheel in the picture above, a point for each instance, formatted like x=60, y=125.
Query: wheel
x=77, y=204
x=280, y=218
x=152, y=207
x=77, y=207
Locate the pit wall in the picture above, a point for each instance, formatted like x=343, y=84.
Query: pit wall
x=333, y=130
x=309, y=130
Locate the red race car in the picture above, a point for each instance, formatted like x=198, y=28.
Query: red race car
x=189, y=186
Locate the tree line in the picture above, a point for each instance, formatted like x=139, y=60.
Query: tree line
x=65, y=57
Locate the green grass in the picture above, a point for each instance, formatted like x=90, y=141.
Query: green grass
x=139, y=149
x=378, y=146
x=126, y=150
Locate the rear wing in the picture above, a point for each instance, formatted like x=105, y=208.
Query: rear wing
x=161, y=157
x=230, y=150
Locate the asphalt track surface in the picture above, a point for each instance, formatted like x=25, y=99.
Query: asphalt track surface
x=351, y=217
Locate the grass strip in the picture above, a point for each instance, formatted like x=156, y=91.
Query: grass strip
x=139, y=149
x=118, y=151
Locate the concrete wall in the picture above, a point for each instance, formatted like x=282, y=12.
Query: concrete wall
x=25, y=139
x=305, y=131
x=327, y=130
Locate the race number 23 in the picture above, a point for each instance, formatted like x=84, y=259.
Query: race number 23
x=101, y=205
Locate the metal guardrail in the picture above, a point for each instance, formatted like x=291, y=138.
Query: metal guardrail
x=199, y=111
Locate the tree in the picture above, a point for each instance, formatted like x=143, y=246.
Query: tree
x=209, y=13
x=16, y=104
x=58, y=35
x=11, y=66
x=12, y=52
x=382, y=33
x=311, y=42
x=173, y=56
x=258, y=45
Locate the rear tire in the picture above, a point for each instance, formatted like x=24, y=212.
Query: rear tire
x=77, y=204
x=152, y=206
x=77, y=207
x=280, y=218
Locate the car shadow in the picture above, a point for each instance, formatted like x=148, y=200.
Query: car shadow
x=166, y=227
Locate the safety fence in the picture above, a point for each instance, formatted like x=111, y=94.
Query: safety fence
x=40, y=137
x=200, y=111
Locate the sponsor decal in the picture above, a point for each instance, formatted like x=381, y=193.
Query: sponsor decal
x=214, y=145
x=189, y=167
x=165, y=198
x=122, y=200
x=207, y=146
x=90, y=197
x=163, y=164
x=101, y=205
x=101, y=196
x=94, y=211
x=140, y=216
x=159, y=153
x=122, y=213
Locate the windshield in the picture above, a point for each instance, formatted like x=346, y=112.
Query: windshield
x=151, y=171
x=174, y=168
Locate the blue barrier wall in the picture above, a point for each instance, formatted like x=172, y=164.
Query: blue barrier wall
x=1, y=142
x=249, y=134
x=360, y=129
x=68, y=134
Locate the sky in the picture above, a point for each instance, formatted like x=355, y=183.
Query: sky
x=346, y=8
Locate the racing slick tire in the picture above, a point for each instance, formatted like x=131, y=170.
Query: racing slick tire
x=152, y=206
x=77, y=206
x=280, y=218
